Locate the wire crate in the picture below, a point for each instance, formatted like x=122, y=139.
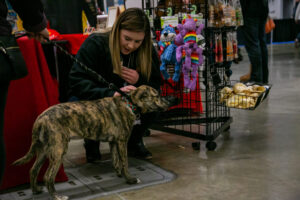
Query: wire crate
x=200, y=114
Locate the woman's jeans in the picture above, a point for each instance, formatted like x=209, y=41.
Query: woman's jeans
x=255, y=43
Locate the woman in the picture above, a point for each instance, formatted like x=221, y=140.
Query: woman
x=124, y=56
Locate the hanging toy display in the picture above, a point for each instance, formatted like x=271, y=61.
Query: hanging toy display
x=167, y=52
x=188, y=53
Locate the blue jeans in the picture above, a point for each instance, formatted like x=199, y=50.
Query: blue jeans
x=255, y=43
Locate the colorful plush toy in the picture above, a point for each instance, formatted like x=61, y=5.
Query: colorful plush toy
x=168, y=52
x=188, y=52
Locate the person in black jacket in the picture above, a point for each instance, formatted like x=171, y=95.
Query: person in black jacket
x=34, y=21
x=124, y=56
x=66, y=16
x=255, y=13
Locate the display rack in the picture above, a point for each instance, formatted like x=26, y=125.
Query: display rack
x=200, y=114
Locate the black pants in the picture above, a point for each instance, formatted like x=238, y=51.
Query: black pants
x=3, y=95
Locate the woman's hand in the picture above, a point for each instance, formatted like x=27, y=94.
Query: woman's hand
x=41, y=36
x=131, y=76
x=125, y=89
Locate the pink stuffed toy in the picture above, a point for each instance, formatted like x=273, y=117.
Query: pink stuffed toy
x=188, y=51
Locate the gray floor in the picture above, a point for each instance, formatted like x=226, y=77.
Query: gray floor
x=259, y=161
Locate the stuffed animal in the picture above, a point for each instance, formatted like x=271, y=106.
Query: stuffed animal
x=188, y=52
x=168, y=52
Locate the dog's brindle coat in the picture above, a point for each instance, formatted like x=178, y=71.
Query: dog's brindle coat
x=108, y=119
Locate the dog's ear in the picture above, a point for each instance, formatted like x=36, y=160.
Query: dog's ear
x=142, y=92
x=136, y=94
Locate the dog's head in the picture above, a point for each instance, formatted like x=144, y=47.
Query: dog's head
x=149, y=100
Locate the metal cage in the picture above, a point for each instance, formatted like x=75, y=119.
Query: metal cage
x=200, y=114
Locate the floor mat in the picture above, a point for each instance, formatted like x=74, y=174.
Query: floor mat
x=96, y=180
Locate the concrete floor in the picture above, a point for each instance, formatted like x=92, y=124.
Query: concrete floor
x=259, y=161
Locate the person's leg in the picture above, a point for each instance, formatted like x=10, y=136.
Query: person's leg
x=136, y=147
x=246, y=77
x=264, y=51
x=297, y=40
x=250, y=32
x=92, y=151
x=298, y=36
x=3, y=95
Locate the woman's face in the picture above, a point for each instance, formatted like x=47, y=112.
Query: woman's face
x=130, y=41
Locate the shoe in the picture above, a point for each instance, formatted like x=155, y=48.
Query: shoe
x=92, y=151
x=147, y=133
x=138, y=150
x=245, y=78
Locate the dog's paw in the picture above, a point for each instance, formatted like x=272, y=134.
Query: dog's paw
x=132, y=180
x=37, y=190
x=60, y=197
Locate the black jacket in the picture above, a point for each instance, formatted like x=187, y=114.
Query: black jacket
x=95, y=53
x=255, y=8
x=30, y=11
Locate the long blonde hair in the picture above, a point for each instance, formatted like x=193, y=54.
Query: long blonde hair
x=132, y=19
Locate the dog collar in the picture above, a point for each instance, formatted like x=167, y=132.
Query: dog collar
x=132, y=106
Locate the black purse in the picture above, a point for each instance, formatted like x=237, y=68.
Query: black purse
x=12, y=63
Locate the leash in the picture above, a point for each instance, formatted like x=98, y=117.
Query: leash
x=92, y=73
x=135, y=109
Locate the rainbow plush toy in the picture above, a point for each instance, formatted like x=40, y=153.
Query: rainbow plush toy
x=188, y=52
x=168, y=52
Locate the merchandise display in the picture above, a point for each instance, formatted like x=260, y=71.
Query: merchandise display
x=225, y=13
x=242, y=96
x=189, y=53
x=168, y=53
x=206, y=46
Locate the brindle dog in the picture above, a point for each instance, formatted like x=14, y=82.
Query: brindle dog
x=109, y=119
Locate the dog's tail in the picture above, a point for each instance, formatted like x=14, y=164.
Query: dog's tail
x=29, y=155
x=35, y=144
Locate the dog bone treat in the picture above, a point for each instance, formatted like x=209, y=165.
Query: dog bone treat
x=226, y=92
x=239, y=88
x=241, y=96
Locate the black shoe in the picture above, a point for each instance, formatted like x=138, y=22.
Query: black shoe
x=147, y=133
x=138, y=150
x=92, y=151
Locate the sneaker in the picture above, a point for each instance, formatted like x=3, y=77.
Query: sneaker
x=245, y=78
